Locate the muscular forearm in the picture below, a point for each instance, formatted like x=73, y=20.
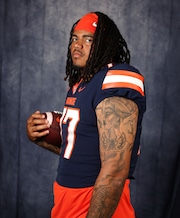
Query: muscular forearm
x=48, y=146
x=106, y=196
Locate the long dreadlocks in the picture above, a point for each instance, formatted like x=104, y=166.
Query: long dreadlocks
x=108, y=47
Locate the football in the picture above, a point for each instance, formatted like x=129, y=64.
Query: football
x=54, y=136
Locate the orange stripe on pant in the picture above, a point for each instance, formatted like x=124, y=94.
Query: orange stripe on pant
x=74, y=202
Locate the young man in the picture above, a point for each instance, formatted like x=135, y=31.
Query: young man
x=101, y=124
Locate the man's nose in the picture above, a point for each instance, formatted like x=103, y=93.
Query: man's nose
x=78, y=44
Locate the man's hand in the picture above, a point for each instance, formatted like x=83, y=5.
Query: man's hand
x=37, y=127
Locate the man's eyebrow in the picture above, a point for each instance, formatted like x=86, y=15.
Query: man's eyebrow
x=88, y=36
x=84, y=36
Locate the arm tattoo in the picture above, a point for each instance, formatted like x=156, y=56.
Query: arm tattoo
x=117, y=123
x=117, y=117
x=48, y=146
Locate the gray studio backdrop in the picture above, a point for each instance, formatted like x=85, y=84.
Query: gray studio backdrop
x=33, y=45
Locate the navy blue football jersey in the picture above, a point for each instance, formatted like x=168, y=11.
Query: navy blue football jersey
x=79, y=162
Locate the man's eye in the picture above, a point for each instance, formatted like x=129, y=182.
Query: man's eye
x=73, y=39
x=88, y=40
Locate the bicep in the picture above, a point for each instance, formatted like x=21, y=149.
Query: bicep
x=117, y=124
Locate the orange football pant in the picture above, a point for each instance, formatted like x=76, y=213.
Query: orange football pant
x=74, y=202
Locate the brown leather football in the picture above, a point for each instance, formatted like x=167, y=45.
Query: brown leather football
x=54, y=136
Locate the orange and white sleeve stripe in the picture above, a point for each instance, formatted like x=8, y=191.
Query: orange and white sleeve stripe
x=124, y=79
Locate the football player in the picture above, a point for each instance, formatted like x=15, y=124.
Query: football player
x=100, y=124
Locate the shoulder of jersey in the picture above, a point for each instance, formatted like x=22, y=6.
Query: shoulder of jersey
x=124, y=76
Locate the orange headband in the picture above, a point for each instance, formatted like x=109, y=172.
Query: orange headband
x=88, y=22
